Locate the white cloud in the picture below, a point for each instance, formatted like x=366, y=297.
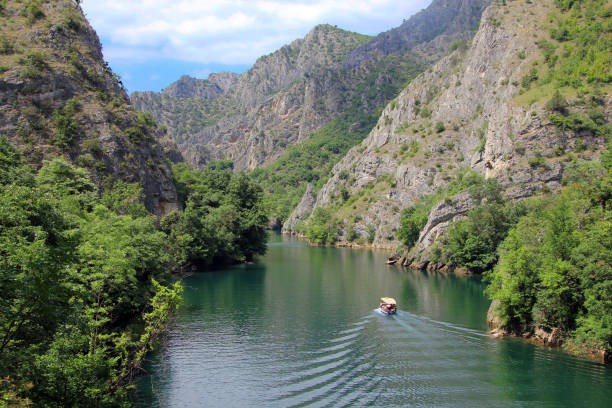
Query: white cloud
x=229, y=31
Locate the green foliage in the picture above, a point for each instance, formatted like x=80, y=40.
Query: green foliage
x=412, y=221
x=125, y=199
x=223, y=221
x=6, y=46
x=472, y=243
x=139, y=132
x=555, y=267
x=64, y=124
x=34, y=65
x=13, y=169
x=459, y=44
x=439, y=127
x=582, y=58
x=530, y=77
x=537, y=162
x=557, y=103
x=32, y=10
x=320, y=228
x=84, y=291
x=578, y=122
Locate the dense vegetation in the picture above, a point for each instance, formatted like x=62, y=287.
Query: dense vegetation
x=85, y=282
x=224, y=219
x=555, y=267
x=84, y=290
x=548, y=259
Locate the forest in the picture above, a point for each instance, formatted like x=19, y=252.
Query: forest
x=90, y=277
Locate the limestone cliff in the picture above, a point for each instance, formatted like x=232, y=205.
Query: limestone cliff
x=467, y=111
x=59, y=98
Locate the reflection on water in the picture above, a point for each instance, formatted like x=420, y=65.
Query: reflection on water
x=299, y=329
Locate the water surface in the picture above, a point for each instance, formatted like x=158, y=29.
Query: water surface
x=300, y=329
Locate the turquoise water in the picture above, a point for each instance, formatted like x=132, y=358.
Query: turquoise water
x=300, y=328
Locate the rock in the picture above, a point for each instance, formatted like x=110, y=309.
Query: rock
x=494, y=321
x=302, y=211
x=550, y=337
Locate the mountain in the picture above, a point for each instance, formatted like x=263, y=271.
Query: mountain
x=291, y=93
x=446, y=18
x=496, y=160
x=485, y=108
x=59, y=98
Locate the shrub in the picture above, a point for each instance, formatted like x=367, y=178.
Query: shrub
x=557, y=103
x=412, y=220
x=320, y=228
x=34, y=65
x=32, y=11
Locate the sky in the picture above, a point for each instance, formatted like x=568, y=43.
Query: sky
x=151, y=43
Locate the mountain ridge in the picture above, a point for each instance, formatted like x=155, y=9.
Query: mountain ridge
x=290, y=93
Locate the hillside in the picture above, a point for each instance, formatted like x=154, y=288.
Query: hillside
x=478, y=108
x=496, y=160
x=59, y=98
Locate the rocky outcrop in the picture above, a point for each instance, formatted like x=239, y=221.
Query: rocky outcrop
x=462, y=113
x=216, y=85
x=440, y=216
x=59, y=98
x=302, y=211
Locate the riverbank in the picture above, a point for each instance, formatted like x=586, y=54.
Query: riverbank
x=553, y=338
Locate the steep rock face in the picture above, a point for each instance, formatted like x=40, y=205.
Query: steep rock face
x=445, y=17
x=462, y=113
x=303, y=209
x=58, y=97
x=294, y=91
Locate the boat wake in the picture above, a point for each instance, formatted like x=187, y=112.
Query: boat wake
x=360, y=363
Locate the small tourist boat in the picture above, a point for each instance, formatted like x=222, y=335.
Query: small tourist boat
x=387, y=306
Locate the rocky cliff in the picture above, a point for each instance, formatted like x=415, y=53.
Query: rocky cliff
x=447, y=18
x=59, y=98
x=294, y=91
x=472, y=109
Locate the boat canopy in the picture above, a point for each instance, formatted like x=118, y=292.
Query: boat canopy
x=388, y=300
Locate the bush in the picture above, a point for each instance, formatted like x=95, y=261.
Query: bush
x=320, y=228
x=65, y=125
x=557, y=103
x=34, y=65
x=32, y=11
x=412, y=221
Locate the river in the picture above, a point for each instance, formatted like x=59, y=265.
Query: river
x=299, y=328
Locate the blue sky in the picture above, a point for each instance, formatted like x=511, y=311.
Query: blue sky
x=151, y=43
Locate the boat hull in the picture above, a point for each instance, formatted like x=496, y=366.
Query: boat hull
x=384, y=312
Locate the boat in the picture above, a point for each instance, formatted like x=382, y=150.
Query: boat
x=387, y=306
